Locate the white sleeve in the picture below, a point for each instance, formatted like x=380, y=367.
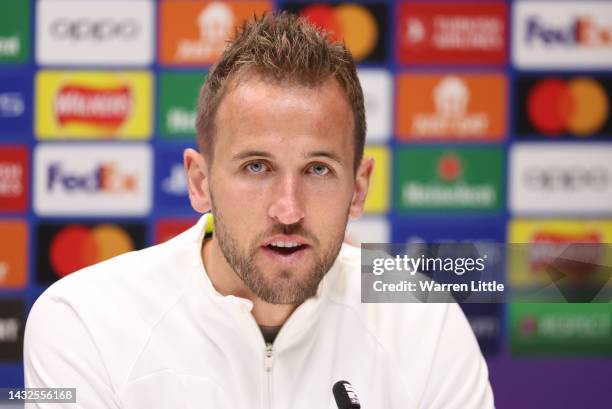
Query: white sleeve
x=59, y=351
x=459, y=378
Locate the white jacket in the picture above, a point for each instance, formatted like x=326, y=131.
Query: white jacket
x=147, y=330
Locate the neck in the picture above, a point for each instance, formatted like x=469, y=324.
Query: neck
x=227, y=282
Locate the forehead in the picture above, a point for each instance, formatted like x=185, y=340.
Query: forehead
x=256, y=113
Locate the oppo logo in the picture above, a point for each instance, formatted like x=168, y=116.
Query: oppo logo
x=575, y=178
x=97, y=30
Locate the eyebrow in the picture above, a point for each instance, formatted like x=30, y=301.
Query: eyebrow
x=250, y=154
x=326, y=154
x=263, y=154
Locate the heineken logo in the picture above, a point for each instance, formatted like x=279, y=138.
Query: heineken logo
x=439, y=179
x=178, y=100
x=449, y=167
x=10, y=46
x=430, y=195
x=15, y=31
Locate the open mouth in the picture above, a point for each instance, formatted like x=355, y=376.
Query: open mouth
x=285, y=249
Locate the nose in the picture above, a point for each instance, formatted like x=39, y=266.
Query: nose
x=287, y=207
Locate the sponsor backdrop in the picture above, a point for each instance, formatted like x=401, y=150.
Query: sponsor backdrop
x=488, y=120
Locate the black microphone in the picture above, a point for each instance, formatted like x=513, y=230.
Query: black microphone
x=345, y=396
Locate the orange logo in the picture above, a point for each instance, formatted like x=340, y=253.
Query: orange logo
x=196, y=33
x=13, y=253
x=470, y=107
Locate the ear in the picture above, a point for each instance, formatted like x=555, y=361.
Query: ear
x=197, y=180
x=362, y=183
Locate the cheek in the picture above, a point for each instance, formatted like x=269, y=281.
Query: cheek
x=327, y=208
x=240, y=205
x=333, y=194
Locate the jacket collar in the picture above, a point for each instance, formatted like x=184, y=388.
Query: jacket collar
x=300, y=320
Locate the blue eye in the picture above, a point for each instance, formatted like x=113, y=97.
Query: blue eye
x=320, y=170
x=256, y=167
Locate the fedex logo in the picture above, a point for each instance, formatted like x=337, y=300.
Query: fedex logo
x=105, y=177
x=583, y=31
x=92, y=179
x=568, y=34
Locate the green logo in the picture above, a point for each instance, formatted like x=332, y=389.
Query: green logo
x=14, y=31
x=561, y=329
x=441, y=179
x=178, y=99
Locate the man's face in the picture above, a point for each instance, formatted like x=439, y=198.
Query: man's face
x=281, y=184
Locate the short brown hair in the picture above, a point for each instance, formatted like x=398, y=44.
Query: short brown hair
x=286, y=49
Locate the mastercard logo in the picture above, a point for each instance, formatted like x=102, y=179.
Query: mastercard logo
x=579, y=106
x=349, y=22
x=75, y=247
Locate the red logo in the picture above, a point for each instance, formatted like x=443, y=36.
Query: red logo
x=14, y=170
x=444, y=33
x=102, y=108
x=587, y=237
x=168, y=228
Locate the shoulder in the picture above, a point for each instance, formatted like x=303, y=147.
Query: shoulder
x=146, y=278
x=112, y=306
x=425, y=340
x=385, y=320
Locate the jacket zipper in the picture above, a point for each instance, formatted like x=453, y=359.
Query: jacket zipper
x=268, y=361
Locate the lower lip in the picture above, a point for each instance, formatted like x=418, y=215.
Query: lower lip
x=292, y=258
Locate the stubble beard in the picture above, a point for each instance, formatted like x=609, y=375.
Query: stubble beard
x=284, y=287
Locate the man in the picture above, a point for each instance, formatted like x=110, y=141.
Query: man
x=264, y=312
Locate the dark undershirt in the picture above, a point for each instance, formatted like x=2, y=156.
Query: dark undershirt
x=269, y=332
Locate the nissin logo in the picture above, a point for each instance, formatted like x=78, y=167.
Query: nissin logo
x=93, y=179
x=106, y=177
x=583, y=31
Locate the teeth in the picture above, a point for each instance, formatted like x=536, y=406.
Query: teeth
x=288, y=244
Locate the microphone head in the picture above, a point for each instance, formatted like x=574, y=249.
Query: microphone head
x=345, y=396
